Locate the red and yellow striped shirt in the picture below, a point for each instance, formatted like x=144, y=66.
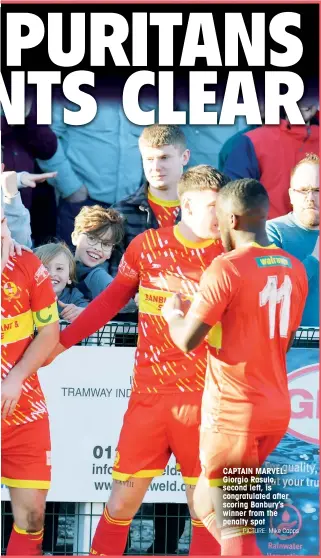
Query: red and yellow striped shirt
x=161, y=262
x=27, y=301
x=165, y=211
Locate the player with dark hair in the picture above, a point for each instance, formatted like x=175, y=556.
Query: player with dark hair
x=257, y=291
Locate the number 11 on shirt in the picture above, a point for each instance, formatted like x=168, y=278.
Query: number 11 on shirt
x=272, y=296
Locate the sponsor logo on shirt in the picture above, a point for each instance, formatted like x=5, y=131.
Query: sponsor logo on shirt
x=273, y=261
x=17, y=328
x=151, y=301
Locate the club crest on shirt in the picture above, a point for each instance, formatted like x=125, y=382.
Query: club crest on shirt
x=11, y=291
x=41, y=275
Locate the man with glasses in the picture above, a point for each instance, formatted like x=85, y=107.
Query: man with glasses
x=268, y=154
x=298, y=231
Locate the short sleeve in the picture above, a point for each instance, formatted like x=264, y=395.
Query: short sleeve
x=129, y=268
x=219, y=284
x=42, y=296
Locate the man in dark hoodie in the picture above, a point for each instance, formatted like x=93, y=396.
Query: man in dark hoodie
x=155, y=204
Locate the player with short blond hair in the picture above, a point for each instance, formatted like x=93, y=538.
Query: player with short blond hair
x=163, y=413
x=155, y=204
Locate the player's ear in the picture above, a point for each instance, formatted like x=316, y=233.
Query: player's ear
x=185, y=157
x=290, y=195
x=186, y=205
x=234, y=221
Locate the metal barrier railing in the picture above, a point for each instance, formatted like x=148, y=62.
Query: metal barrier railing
x=307, y=337
x=62, y=519
x=172, y=532
x=119, y=334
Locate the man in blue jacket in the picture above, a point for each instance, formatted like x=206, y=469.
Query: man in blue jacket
x=298, y=231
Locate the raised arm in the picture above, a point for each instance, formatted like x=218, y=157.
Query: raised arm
x=188, y=331
x=16, y=213
x=217, y=285
x=99, y=312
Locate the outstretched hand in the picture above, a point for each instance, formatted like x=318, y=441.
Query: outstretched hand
x=70, y=311
x=16, y=248
x=31, y=180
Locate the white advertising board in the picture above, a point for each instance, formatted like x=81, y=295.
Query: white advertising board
x=87, y=391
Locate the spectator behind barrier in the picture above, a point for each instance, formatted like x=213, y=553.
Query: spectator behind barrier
x=97, y=231
x=155, y=204
x=205, y=141
x=269, y=153
x=21, y=146
x=298, y=231
x=228, y=146
x=18, y=216
x=60, y=263
x=97, y=163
